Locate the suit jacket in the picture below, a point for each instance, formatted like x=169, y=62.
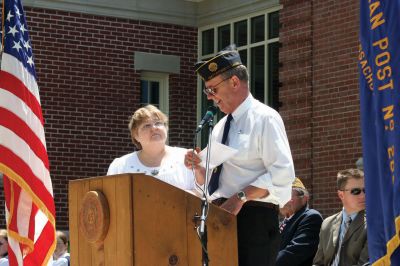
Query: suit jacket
x=354, y=250
x=299, y=238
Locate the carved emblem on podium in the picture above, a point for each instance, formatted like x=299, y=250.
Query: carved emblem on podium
x=94, y=216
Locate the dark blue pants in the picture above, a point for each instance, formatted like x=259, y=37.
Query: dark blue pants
x=258, y=236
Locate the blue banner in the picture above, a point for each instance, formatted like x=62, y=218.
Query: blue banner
x=379, y=65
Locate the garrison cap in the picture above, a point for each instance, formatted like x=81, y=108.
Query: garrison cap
x=297, y=183
x=224, y=60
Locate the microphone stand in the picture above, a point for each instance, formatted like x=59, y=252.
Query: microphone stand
x=202, y=229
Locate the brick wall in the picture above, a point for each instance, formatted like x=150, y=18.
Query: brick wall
x=89, y=88
x=320, y=92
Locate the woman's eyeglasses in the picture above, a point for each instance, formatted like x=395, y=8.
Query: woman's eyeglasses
x=355, y=191
x=213, y=91
x=157, y=124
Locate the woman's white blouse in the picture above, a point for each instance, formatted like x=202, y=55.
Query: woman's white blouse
x=171, y=171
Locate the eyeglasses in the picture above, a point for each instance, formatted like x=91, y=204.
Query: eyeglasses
x=157, y=124
x=213, y=91
x=355, y=191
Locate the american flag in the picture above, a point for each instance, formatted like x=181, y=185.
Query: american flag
x=28, y=191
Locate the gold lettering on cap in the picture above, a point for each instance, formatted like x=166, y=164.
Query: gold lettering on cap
x=213, y=67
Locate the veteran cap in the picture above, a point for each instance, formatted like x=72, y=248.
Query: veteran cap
x=297, y=183
x=224, y=60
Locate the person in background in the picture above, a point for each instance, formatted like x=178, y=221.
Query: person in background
x=149, y=131
x=343, y=236
x=254, y=182
x=61, y=257
x=3, y=247
x=299, y=229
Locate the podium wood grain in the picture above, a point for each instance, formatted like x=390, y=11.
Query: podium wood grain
x=150, y=224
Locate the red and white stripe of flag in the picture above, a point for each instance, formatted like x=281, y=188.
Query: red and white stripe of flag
x=23, y=160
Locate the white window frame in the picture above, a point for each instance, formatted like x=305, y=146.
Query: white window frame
x=247, y=47
x=163, y=80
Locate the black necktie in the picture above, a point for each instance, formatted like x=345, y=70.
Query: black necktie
x=214, y=181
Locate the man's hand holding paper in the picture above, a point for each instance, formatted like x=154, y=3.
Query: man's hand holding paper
x=196, y=159
x=219, y=153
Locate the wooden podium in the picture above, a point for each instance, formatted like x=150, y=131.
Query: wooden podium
x=150, y=223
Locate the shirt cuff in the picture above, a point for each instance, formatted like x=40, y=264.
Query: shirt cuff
x=278, y=194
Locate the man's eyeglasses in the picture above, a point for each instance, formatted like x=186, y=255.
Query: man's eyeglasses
x=355, y=191
x=213, y=91
x=157, y=124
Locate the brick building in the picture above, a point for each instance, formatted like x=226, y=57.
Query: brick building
x=97, y=61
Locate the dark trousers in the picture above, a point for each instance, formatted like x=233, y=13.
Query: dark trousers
x=258, y=236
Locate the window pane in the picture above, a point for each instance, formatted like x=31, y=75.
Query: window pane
x=243, y=56
x=155, y=93
x=224, y=36
x=149, y=92
x=144, y=91
x=273, y=74
x=240, y=36
x=257, y=29
x=207, y=42
x=273, y=25
x=257, y=72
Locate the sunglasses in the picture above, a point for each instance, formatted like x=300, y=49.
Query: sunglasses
x=355, y=191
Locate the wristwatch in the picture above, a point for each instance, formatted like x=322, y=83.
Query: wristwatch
x=242, y=196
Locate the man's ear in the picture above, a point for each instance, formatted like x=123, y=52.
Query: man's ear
x=340, y=194
x=306, y=198
x=235, y=81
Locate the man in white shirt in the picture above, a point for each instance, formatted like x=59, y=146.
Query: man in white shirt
x=257, y=180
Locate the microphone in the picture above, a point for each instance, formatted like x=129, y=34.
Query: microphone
x=207, y=117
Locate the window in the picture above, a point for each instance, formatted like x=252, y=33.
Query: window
x=154, y=90
x=257, y=39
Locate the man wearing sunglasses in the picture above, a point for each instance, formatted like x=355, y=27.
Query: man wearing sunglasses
x=343, y=236
x=254, y=182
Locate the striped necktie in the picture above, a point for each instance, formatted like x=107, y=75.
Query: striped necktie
x=341, y=237
x=283, y=224
x=214, y=181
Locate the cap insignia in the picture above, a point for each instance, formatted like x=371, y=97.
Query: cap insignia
x=213, y=67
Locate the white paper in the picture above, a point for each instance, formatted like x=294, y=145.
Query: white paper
x=219, y=154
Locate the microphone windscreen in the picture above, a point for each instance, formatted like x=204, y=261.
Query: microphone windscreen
x=213, y=109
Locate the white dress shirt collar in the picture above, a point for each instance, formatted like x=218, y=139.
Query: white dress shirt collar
x=242, y=108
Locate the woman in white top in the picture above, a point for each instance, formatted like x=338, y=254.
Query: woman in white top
x=3, y=247
x=149, y=131
x=61, y=257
